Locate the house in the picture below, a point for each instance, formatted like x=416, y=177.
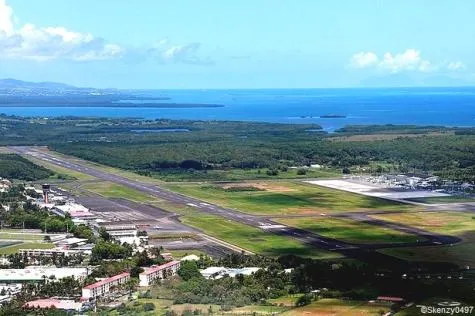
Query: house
x=167, y=256
x=158, y=272
x=105, y=286
x=390, y=299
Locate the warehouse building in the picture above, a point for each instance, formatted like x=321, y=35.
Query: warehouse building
x=38, y=274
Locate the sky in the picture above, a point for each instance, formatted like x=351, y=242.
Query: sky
x=158, y=44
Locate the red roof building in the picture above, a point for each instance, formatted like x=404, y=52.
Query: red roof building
x=104, y=286
x=158, y=272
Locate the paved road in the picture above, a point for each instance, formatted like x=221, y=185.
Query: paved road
x=251, y=220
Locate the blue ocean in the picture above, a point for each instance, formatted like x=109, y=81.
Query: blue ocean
x=418, y=106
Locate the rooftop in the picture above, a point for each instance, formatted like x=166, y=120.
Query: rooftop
x=50, y=302
x=108, y=280
x=38, y=273
x=160, y=267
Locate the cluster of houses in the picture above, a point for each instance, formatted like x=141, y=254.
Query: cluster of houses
x=5, y=185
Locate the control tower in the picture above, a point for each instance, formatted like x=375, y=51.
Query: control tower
x=46, y=191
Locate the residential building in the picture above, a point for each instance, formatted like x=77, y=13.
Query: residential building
x=105, y=286
x=158, y=272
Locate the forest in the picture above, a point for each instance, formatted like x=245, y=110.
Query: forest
x=161, y=147
x=16, y=167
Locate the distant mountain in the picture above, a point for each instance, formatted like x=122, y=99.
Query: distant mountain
x=20, y=84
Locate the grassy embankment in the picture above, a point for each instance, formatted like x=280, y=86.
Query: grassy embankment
x=113, y=190
x=13, y=240
x=450, y=223
x=285, y=197
x=349, y=230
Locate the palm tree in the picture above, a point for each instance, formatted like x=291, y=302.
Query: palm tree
x=131, y=284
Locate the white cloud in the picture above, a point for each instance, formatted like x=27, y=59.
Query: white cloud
x=409, y=60
x=456, y=66
x=46, y=43
x=30, y=42
x=165, y=52
x=6, y=18
x=364, y=59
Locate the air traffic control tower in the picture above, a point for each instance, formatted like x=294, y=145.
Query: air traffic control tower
x=46, y=190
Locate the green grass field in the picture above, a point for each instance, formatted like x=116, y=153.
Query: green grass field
x=20, y=236
x=348, y=230
x=112, y=190
x=286, y=197
x=8, y=243
x=287, y=300
x=252, y=239
x=451, y=223
x=25, y=245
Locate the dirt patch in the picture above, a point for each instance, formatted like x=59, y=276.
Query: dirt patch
x=273, y=187
x=256, y=239
x=306, y=211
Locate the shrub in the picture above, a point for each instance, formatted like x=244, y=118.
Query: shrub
x=304, y=300
x=148, y=307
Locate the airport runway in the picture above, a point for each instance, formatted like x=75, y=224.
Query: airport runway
x=263, y=223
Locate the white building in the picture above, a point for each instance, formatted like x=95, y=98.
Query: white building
x=104, y=286
x=219, y=272
x=73, y=209
x=72, y=242
x=41, y=274
x=124, y=233
x=158, y=272
x=53, y=251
